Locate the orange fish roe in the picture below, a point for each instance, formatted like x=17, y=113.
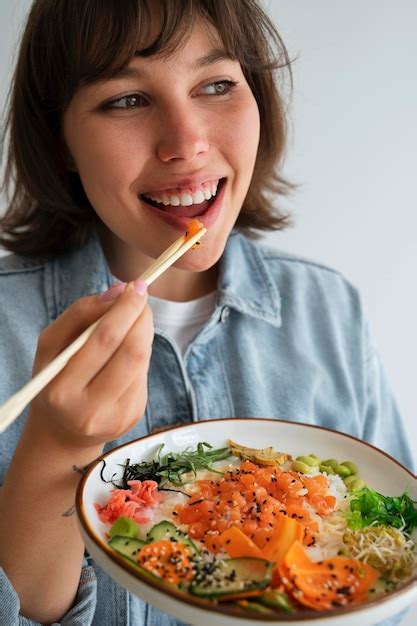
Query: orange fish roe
x=167, y=560
x=251, y=497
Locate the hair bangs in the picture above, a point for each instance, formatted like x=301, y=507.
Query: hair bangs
x=111, y=36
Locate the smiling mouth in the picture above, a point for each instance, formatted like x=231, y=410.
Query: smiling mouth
x=184, y=205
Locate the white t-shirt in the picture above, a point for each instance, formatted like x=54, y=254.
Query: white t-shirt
x=182, y=320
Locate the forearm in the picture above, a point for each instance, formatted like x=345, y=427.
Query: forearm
x=40, y=547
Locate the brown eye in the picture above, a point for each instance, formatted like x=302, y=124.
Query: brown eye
x=132, y=101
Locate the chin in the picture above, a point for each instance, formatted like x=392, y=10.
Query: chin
x=203, y=257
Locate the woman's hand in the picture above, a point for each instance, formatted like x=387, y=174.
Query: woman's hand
x=102, y=391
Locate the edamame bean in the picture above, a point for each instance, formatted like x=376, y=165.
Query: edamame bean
x=326, y=468
x=331, y=462
x=342, y=470
x=315, y=456
x=299, y=466
x=352, y=467
x=309, y=460
x=349, y=480
x=356, y=485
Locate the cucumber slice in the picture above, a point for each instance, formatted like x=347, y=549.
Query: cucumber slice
x=231, y=576
x=254, y=606
x=166, y=530
x=126, y=546
x=276, y=600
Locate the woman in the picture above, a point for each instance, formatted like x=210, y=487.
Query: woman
x=128, y=119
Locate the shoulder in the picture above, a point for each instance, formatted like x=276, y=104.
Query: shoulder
x=21, y=280
x=306, y=274
x=20, y=277
x=25, y=295
x=312, y=292
x=296, y=263
x=15, y=264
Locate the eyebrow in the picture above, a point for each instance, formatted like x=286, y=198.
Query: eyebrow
x=212, y=57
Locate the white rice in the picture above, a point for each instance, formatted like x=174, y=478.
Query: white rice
x=329, y=539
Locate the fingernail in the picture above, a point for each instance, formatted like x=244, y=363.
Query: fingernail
x=140, y=286
x=114, y=292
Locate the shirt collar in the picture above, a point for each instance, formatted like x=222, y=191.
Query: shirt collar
x=246, y=283
x=245, y=280
x=80, y=273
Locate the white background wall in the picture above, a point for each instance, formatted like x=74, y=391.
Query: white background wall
x=353, y=152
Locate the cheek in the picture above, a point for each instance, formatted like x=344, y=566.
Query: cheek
x=104, y=159
x=241, y=132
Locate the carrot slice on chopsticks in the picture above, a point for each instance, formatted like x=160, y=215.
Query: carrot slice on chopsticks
x=193, y=228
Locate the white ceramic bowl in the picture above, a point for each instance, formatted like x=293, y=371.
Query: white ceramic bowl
x=378, y=469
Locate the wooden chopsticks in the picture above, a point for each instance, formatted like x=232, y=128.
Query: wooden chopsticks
x=13, y=407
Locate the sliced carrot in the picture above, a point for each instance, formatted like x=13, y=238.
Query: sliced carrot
x=338, y=581
x=237, y=544
x=286, y=532
x=297, y=555
x=193, y=228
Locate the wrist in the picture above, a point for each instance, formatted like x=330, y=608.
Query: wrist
x=57, y=443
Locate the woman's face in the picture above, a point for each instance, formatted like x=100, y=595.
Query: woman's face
x=152, y=145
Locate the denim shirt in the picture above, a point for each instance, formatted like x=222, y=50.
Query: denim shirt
x=287, y=339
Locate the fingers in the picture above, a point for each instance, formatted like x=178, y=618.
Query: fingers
x=82, y=403
x=129, y=361
x=129, y=408
x=68, y=326
x=106, y=339
x=132, y=403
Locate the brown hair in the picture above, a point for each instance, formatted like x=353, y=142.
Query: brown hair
x=68, y=43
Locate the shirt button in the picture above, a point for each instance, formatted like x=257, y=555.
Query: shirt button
x=224, y=314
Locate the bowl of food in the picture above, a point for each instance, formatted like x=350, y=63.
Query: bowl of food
x=255, y=521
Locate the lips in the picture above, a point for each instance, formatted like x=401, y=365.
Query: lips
x=179, y=217
x=193, y=210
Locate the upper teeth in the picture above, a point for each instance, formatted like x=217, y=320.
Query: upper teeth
x=187, y=198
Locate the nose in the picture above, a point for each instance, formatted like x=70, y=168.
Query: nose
x=182, y=135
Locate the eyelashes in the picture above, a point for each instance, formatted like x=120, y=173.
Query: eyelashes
x=138, y=100
x=227, y=87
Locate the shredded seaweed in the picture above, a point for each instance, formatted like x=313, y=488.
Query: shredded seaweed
x=171, y=467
